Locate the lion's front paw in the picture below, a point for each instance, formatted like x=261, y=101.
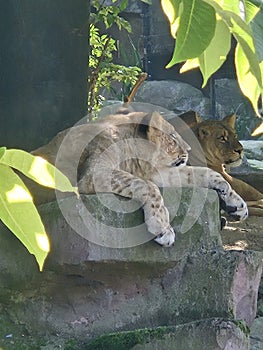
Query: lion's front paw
x=240, y=213
x=238, y=210
x=166, y=238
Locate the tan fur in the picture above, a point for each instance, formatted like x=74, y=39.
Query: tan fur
x=222, y=151
x=132, y=154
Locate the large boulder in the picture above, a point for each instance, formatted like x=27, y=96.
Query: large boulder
x=174, y=96
x=106, y=227
x=88, y=288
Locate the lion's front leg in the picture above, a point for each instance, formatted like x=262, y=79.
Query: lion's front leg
x=188, y=176
x=146, y=192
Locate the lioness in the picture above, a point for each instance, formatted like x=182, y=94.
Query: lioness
x=132, y=154
x=222, y=151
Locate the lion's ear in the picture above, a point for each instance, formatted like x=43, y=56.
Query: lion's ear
x=155, y=126
x=191, y=118
x=203, y=132
x=151, y=125
x=230, y=120
x=156, y=121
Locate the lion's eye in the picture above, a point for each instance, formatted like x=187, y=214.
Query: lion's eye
x=222, y=138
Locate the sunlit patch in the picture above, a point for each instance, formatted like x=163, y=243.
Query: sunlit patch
x=190, y=64
x=238, y=245
x=169, y=10
x=258, y=131
x=18, y=194
x=173, y=17
x=39, y=169
x=43, y=242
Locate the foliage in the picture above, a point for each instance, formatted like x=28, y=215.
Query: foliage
x=109, y=14
x=203, y=30
x=17, y=210
x=103, y=71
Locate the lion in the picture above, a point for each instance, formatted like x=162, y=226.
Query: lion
x=223, y=151
x=133, y=154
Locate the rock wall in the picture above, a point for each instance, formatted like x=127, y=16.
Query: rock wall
x=87, y=289
x=43, y=61
x=181, y=97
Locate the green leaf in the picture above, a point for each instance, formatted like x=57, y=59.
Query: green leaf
x=149, y=2
x=230, y=5
x=37, y=169
x=258, y=3
x=215, y=54
x=244, y=36
x=190, y=64
x=257, y=28
x=123, y=5
x=196, y=30
x=247, y=81
x=18, y=213
x=250, y=10
x=172, y=10
x=2, y=151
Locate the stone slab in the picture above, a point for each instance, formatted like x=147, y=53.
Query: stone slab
x=98, y=228
x=210, y=334
x=91, y=299
x=87, y=290
x=196, y=230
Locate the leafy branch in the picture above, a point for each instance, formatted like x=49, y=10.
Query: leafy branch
x=102, y=70
x=203, y=30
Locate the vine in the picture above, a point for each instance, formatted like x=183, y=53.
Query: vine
x=102, y=70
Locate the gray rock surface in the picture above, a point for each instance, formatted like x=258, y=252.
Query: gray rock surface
x=87, y=289
x=256, y=334
x=88, y=300
x=251, y=170
x=253, y=150
x=181, y=97
x=210, y=334
x=229, y=99
x=174, y=95
x=106, y=232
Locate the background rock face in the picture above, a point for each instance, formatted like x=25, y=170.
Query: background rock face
x=174, y=95
x=181, y=97
x=87, y=290
x=253, y=150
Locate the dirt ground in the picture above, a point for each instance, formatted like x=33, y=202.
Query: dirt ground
x=246, y=235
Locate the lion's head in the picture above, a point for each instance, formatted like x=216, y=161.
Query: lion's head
x=173, y=150
x=219, y=141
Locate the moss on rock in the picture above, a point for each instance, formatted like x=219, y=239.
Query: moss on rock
x=127, y=340
x=214, y=333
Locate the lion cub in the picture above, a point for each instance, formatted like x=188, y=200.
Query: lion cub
x=132, y=154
